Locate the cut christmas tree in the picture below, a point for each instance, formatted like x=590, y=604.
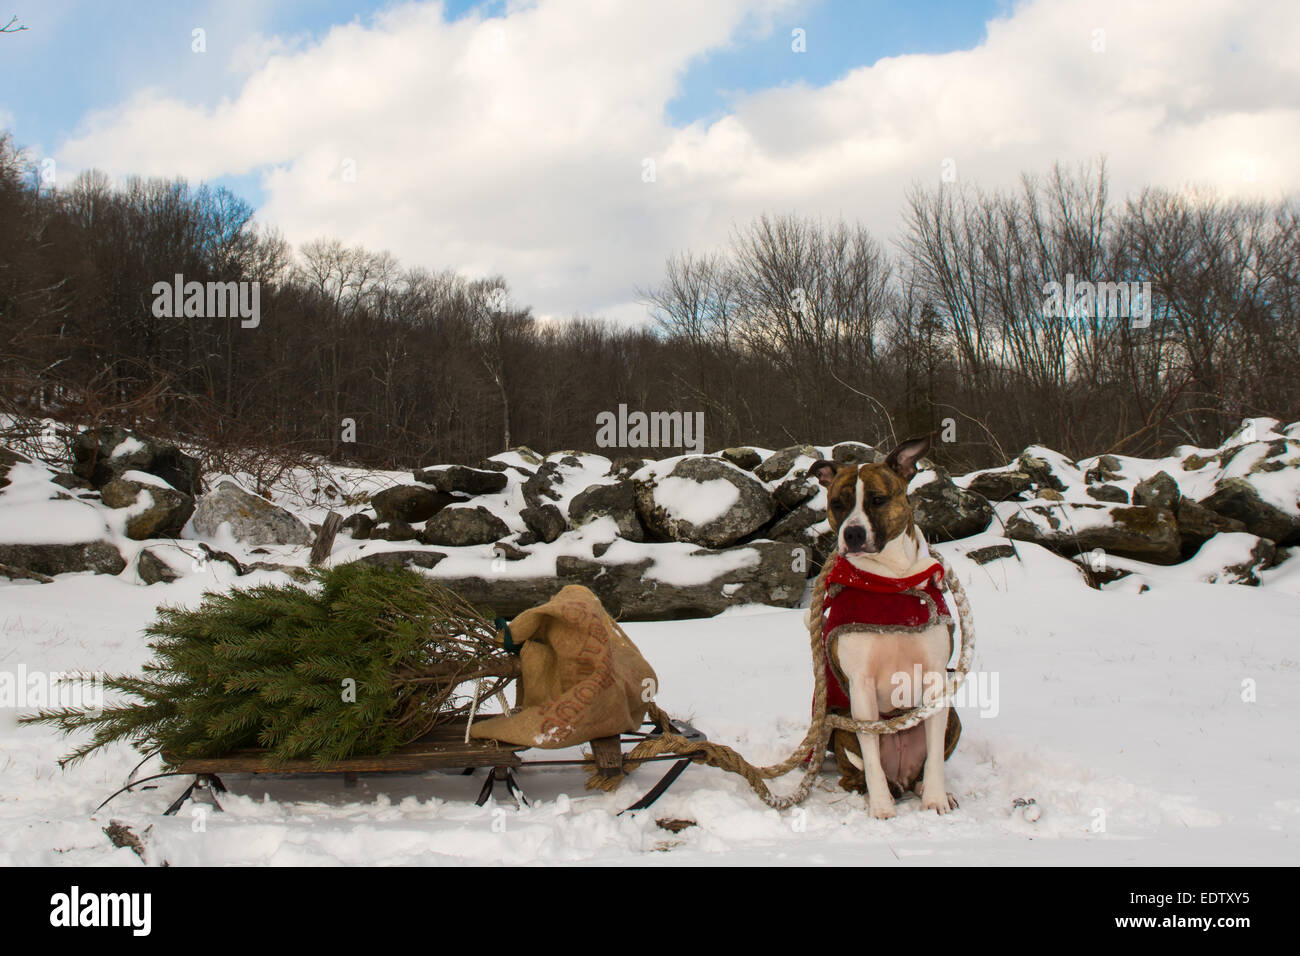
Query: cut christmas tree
x=358, y=662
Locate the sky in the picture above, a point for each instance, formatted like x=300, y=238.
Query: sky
x=573, y=145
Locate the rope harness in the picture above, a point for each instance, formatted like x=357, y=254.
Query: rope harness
x=823, y=724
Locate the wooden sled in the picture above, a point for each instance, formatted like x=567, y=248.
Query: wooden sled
x=444, y=748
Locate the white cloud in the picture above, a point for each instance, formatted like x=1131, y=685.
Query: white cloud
x=515, y=144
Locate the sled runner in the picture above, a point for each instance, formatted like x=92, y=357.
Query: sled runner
x=444, y=748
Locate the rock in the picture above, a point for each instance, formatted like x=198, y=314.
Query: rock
x=1158, y=491
x=22, y=574
x=1237, y=498
x=1040, y=472
x=358, y=525
x=153, y=569
x=411, y=503
x=1000, y=485
x=945, y=512
x=393, y=529
x=1263, y=555
x=624, y=467
x=795, y=490
x=1198, y=524
x=629, y=592
x=994, y=552
x=70, y=481
x=466, y=481
x=617, y=501
x=778, y=464
x=1146, y=534
x=546, y=521
x=542, y=487
x=51, y=559
x=101, y=455
x=162, y=510
x=855, y=453
x=1106, y=468
x=799, y=527
x=1111, y=493
x=745, y=458
x=403, y=559
x=8, y=459
x=692, y=504
x=460, y=525
x=252, y=520
x=509, y=551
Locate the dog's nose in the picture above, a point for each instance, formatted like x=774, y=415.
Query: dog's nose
x=855, y=536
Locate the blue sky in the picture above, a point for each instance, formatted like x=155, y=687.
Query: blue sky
x=84, y=56
x=574, y=145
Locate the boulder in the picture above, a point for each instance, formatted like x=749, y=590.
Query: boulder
x=617, y=501
x=778, y=464
x=1040, y=472
x=158, y=510
x=403, y=559
x=358, y=525
x=459, y=479
x=1263, y=555
x=630, y=592
x=1000, y=484
x=1106, y=468
x=411, y=503
x=461, y=525
x=8, y=459
x=103, y=454
x=1198, y=524
x=855, y=453
x=706, y=501
x=745, y=458
x=795, y=490
x=392, y=529
x=1158, y=491
x=51, y=559
x=945, y=512
x=1237, y=498
x=153, y=569
x=1112, y=493
x=1145, y=534
x=252, y=520
x=545, y=521
x=993, y=552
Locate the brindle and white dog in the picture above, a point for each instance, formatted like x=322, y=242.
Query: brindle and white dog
x=868, y=509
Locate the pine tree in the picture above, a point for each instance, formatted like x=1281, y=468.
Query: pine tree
x=361, y=660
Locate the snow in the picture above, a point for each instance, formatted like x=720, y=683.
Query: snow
x=128, y=446
x=698, y=502
x=1126, y=709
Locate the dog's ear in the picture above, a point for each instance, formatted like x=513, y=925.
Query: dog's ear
x=824, y=471
x=902, y=460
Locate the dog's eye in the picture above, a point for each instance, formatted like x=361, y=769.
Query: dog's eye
x=878, y=500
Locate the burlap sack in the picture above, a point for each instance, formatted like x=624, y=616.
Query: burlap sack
x=582, y=678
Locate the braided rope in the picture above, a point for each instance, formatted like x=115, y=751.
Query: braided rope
x=809, y=750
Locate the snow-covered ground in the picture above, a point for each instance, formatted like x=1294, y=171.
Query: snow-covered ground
x=1150, y=728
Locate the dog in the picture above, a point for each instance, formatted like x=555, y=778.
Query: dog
x=885, y=625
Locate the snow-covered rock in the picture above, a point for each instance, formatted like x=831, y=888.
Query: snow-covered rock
x=705, y=501
x=251, y=520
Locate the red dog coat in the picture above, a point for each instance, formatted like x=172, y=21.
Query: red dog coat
x=857, y=600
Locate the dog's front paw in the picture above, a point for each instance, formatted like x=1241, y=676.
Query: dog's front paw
x=882, y=809
x=940, y=804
